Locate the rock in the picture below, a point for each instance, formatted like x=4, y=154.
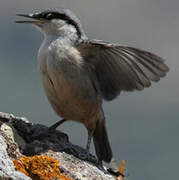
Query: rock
x=41, y=154
x=7, y=169
x=79, y=169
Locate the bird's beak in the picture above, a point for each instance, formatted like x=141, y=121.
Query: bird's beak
x=37, y=20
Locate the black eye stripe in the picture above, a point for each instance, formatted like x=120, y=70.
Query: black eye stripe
x=53, y=15
x=48, y=16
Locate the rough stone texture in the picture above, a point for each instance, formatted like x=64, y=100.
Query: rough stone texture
x=19, y=137
x=79, y=169
x=7, y=169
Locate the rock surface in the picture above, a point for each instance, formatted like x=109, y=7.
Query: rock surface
x=37, y=153
x=7, y=169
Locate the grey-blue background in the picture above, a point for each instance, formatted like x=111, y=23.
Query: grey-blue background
x=143, y=126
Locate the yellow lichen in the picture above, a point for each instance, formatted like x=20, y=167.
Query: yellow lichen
x=40, y=167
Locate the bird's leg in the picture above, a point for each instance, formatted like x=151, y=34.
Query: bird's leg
x=100, y=162
x=54, y=126
x=88, y=144
x=85, y=155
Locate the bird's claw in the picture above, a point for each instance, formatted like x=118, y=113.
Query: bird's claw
x=84, y=156
x=100, y=166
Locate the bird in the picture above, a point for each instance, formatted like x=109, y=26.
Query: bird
x=79, y=74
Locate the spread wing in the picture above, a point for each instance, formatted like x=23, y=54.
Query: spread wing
x=121, y=68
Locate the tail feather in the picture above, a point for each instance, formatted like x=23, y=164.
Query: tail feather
x=101, y=142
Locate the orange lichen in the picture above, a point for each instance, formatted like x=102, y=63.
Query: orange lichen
x=121, y=169
x=40, y=167
x=20, y=167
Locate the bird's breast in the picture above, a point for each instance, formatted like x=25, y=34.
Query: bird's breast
x=66, y=82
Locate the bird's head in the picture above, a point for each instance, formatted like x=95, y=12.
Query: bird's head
x=60, y=22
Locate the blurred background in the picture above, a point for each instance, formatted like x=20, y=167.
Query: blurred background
x=143, y=126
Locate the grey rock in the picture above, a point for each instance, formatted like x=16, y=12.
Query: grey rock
x=7, y=169
x=20, y=137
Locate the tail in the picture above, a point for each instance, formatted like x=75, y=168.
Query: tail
x=101, y=142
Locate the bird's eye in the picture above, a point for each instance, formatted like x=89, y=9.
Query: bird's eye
x=49, y=16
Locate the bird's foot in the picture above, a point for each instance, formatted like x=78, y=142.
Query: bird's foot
x=100, y=166
x=85, y=155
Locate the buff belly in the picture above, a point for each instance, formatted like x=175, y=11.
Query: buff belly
x=71, y=96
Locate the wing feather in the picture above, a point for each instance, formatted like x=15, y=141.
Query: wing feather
x=121, y=68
